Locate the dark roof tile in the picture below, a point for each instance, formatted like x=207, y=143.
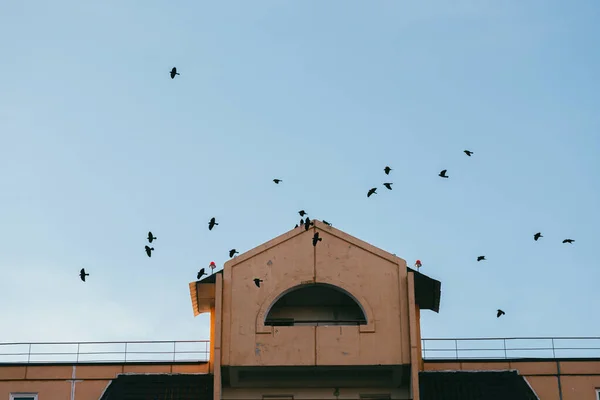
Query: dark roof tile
x=160, y=387
x=477, y=385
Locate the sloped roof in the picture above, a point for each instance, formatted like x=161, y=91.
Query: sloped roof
x=476, y=385
x=160, y=387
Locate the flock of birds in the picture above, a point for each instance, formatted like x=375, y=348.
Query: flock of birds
x=307, y=223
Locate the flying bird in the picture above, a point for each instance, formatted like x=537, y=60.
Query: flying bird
x=201, y=273
x=467, y=152
x=82, y=274
x=302, y=213
x=232, y=252
x=443, y=173
x=568, y=240
x=174, y=72
x=388, y=185
x=257, y=282
x=316, y=238
x=537, y=236
x=327, y=223
x=387, y=170
x=149, y=251
x=212, y=223
x=150, y=237
x=481, y=258
x=371, y=191
x=500, y=312
x=277, y=181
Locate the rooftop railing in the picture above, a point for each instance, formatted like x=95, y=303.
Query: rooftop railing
x=199, y=350
x=511, y=348
x=104, y=352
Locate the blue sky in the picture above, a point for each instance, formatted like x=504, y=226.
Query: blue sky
x=98, y=145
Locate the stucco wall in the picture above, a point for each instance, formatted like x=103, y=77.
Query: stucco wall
x=376, y=279
x=54, y=382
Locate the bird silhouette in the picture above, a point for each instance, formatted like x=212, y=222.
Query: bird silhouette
x=151, y=238
x=443, y=173
x=174, y=72
x=467, y=152
x=149, y=251
x=537, y=236
x=316, y=239
x=302, y=213
x=481, y=258
x=296, y=226
x=371, y=191
x=82, y=274
x=388, y=185
x=212, y=223
x=301, y=221
x=232, y=252
x=277, y=181
x=327, y=223
x=201, y=273
x=257, y=282
x=500, y=312
x=387, y=170
x=568, y=240
x=307, y=224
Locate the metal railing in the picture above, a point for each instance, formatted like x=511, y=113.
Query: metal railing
x=199, y=350
x=119, y=352
x=511, y=348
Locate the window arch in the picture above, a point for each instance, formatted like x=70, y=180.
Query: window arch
x=316, y=304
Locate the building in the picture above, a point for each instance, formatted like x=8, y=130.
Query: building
x=321, y=326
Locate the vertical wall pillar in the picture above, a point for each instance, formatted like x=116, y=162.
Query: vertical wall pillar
x=216, y=322
x=414, y=338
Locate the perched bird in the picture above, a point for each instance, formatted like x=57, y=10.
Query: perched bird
x=388, y=185
x=443, y=173
x=232, y=252
x=296, y=226
x=387, y=170
x=212, y=223
x=277, y=181
x=150, y=237
x=537, y=236
x=316, y=238
x=307, y=224
x=301, y=221
x=327, y=223
x=371, y=191
x=500, y=312
x=257, y=282
x=302, y=213
x=481, y=258
x=149, y=251
x=82, y=274
x=568, y=241
x=174, y=72
x=467, y=152
x=201, y=273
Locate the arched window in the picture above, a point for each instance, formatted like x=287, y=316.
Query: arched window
x=316, y=304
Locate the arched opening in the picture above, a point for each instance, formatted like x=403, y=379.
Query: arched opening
x=316, y=304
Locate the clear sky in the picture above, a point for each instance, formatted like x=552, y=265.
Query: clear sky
x=98, y=145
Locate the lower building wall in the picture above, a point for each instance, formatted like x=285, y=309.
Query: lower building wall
x=578, y=379
x=311, y=393
x=78, y=382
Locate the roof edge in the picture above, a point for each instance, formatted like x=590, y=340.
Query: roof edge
x=325, y=228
